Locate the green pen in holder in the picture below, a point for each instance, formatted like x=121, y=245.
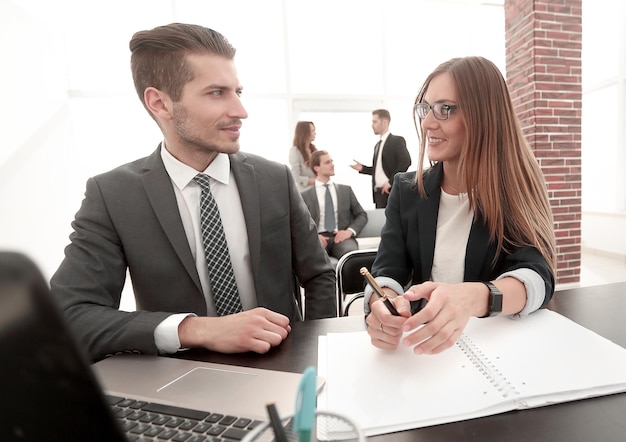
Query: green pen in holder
x=305, y=405
x=307, y=424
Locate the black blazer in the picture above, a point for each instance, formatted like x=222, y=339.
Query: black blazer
x=395, y=158
x=407, y=246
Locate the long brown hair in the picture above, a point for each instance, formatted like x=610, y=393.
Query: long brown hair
x=504, y=181
x=301, y=140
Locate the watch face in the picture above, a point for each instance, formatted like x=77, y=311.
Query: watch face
x=496, y=303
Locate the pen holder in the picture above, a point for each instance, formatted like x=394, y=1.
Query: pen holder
x=328, y=427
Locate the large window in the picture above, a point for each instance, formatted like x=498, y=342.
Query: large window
x=604, y=106
x=70, y=110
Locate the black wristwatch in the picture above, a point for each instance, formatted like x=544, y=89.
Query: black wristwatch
x=495, y=300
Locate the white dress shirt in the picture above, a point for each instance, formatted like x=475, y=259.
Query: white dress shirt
x=379, y=175
x=453, y=228
x=226, y=194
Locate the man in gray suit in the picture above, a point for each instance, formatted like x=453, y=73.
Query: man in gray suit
x=334, y=208
x=145, y=218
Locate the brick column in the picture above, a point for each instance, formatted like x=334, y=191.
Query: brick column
x=543, y=69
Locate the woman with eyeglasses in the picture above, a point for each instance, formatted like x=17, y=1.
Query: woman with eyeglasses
x=471, y=235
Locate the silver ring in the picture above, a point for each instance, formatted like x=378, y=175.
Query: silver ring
x=381, y=328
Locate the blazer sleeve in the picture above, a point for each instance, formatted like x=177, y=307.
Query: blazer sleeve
x=398, y=254
x=310, y=261
x=367, y=170
x=89, y=283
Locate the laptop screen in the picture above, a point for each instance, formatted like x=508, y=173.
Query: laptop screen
x=47, y=386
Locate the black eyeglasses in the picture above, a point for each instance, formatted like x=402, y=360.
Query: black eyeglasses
x=441, y=111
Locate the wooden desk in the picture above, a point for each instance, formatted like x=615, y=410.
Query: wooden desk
x=601, y=309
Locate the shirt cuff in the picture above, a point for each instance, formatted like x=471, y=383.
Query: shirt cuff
x=383, y=281
x=353, y=231
x=535, y=289
x=166, y=333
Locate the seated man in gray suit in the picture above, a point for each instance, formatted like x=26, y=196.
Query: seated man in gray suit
x=211, y=237
x=334, y=208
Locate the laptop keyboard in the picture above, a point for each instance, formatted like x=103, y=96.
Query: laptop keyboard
x=148, y=421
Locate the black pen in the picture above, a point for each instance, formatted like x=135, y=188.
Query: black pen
x=372, y=282
x=277, y=425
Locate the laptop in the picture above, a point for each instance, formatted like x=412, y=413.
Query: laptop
x=57, y=395
x=227, y=389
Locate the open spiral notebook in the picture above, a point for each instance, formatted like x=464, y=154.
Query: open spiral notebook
x=498, y=365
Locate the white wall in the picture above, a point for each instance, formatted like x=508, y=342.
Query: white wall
x=69, y=109
x=604, y=131
x=605, y=234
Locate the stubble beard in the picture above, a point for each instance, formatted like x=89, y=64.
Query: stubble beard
x=195, y=141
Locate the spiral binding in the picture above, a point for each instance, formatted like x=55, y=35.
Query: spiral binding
x=486, y=367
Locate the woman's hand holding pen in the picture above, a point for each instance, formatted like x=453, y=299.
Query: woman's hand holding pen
x=440, y=323
x=449, y=308
x=384, y=328
x=433, y=329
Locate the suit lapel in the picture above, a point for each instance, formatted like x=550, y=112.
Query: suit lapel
x=477, y=247
x=427, y=213
x=249, y=195
x=312, y=203
x=343, y=205
x=160, y=192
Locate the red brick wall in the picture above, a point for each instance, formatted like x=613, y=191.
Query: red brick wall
x=543, y=64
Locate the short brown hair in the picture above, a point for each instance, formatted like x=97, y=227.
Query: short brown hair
x=383, y=114
x=158, y=56
x=316, y=159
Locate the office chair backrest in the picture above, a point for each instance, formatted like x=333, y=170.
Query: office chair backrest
x=375, y=222
x=349, y=278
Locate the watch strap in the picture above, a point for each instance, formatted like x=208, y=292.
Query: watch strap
x=495, y=300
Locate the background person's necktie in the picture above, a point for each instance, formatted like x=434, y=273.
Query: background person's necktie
x=376, y=150
x=329, y=211
x=223, y=284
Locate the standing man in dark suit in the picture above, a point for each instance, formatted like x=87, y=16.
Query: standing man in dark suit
x=155, y=218
x=334, y=208
x=390, y=157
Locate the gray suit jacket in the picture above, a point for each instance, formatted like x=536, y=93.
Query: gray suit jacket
x=129, y=220
x=349, y=211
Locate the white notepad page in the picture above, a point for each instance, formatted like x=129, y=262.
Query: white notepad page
x=499, y=364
